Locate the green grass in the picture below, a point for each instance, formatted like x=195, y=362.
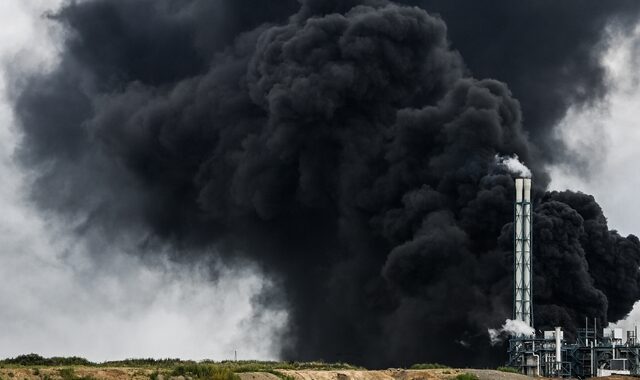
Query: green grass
x=170, y=364
x=466, y=376
x=69, y=374
x=142, y=363
x=203, y=370
x=221, y=370
x=508, y=369
x=429, y=366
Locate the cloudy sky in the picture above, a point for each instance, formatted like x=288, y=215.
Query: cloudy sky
x=57, y=298
x=606, y=137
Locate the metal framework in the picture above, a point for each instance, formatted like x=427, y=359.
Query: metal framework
x=593, y=353
x=522, y=305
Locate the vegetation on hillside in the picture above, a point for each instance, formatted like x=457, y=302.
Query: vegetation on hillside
x=466, y=376
x=429, y=366
x=162, y=369
x=174, y=365
x=508, y=369
x=69, y=374
x=165, y=368
x=204, y=372
x=37, y=360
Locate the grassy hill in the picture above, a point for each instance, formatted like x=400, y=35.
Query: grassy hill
x=36, y=367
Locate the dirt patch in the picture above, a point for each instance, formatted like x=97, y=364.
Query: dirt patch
x=257, y=376
x=53, y=373
x=402, y=374
x=337, y=375
x=486, y=374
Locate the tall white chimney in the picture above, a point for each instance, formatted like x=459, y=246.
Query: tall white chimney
x=522, y=306
x=558, y=337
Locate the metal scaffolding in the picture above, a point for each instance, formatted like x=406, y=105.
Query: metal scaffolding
x=593, y=353
x=522, y=306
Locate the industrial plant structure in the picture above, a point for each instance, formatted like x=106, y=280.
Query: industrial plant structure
x=594, y=352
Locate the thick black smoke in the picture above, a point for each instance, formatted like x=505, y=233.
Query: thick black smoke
x=346, y=149
x=548, y=52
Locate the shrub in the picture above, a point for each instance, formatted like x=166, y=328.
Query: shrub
x=204, y=371
x=508, y=369
x=146, y=362
x=69, y=374
x=37, y=360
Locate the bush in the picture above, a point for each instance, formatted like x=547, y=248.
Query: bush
x=429, y=366
x=467, y=376
x=146, y=362
x=37, y=360
x=69, y=374
x=204, y=371
x=508, y=369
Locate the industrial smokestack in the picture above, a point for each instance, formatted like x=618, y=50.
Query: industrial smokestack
x=526, y=252
x=558, y=338
x=522, y=309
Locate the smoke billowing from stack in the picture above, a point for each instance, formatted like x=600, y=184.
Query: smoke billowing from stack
x=344, y=148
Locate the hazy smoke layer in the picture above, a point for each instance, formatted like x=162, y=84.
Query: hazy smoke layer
x=344, y=147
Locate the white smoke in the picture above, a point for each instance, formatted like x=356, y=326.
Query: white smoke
x=509, y=328
x=513, y=165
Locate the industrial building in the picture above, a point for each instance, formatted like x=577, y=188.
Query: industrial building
x=595, y=352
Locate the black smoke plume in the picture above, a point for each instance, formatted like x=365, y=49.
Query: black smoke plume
x=344, y=147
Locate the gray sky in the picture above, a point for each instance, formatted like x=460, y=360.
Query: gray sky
x=608, y=136
x=56, y=300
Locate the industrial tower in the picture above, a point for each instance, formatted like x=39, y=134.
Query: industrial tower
x=595, y=352
x=522, y=306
